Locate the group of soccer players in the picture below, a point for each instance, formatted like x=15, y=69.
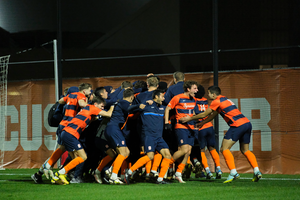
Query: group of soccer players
x=112, y=134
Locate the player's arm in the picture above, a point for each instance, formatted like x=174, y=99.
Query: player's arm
x=207, y=112
x=82, y=103
x=62, y=100
x=208, y=119
x=167, y=114
x=107, y=113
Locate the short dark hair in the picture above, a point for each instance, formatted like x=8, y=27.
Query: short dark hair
x=128, y=93
x=163, y=86
x=140, y=84
x=98, y=99
x=156, y=92
x=188, y=84
x=214, y=90
x=126, y=84
x=83, y=86
x=179, y=76
x=201, y=92
x=98, y=90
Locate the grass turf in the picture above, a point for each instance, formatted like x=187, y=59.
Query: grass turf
x=17, y=184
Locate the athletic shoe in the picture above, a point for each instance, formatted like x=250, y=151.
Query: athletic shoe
x=116, y=182
x=37, y=178
x=232, y=178
x=76, y=180
x=48, y=172
x=170, y=174
x=179, y=179
x=209, y=175
x=127, y=177
x=57, y=176
x=97, y=175
x=162, y=182
x=108, y=172
x=257, y=176
x=219, y=174
x=198, y=170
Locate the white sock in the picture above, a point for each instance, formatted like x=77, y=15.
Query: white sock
x=159, y=179
x=47, y=166
x=129, y=171
x=178, y=174
x=233, y=172
x=207, y=170
x=154, y=172
x=218, y=168
x=114, y=176
x=62, y=171
x=255, y=170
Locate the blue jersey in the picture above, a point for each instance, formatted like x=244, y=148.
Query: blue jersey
x=143, y=97
x=173, y=90
x=153, y=120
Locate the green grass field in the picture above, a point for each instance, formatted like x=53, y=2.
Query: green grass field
x=17, y=184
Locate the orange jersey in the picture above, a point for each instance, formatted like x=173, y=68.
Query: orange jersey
x=228, y=111
x=72, y=107
x=81, y=120
x=202, y=106
x=183, y=105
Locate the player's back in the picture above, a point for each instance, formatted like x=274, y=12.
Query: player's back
x=119, y=114
x=143, y=97
x=173, y=90
x=72, y=107
x=230, y=112
x=77, y=125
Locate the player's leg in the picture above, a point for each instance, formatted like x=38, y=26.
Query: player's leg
x=165, y=152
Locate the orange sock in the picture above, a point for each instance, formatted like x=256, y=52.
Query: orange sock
x=251, y=158
x=73, y=163
x=124, y=166
x=188, y=160
x=229, y=159
x=148, y=167
x=164, y=167
x=104, y=162
x=55, y=156
x=156, y=161
x=117, y=163
x=204, y=160
x=139, y=163
x=216, y=157
x=180, y=167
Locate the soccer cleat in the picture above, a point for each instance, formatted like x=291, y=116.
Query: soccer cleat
x=257, y=176
x=209, y=175
x=76, y=180
x=232, y=178
x=170, y=174
x=187, y=172
x=127, y=177
x=162, y=182
x=97, y=175
x=179, y=179
x=198, y=170
x=57, y=176
x=116, y=181
x=219, y=174
x=37, y=178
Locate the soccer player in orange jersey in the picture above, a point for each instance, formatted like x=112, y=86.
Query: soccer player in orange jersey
x=184, y=104
x=240, y=130
x=71, y=134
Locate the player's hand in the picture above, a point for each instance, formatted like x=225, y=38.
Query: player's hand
x=199, y=125
x=185, y=119
x=142, y=106
x=168, y=127
x=150, y=102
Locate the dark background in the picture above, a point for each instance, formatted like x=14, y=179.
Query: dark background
x=118, y=28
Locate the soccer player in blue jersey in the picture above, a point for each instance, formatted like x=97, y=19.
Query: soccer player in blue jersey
x=153, y=124
x=114, y=134
x=176, y=89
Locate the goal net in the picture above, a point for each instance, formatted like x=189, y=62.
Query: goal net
x=3, y=106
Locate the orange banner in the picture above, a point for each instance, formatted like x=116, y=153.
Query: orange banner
x=266, y=98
